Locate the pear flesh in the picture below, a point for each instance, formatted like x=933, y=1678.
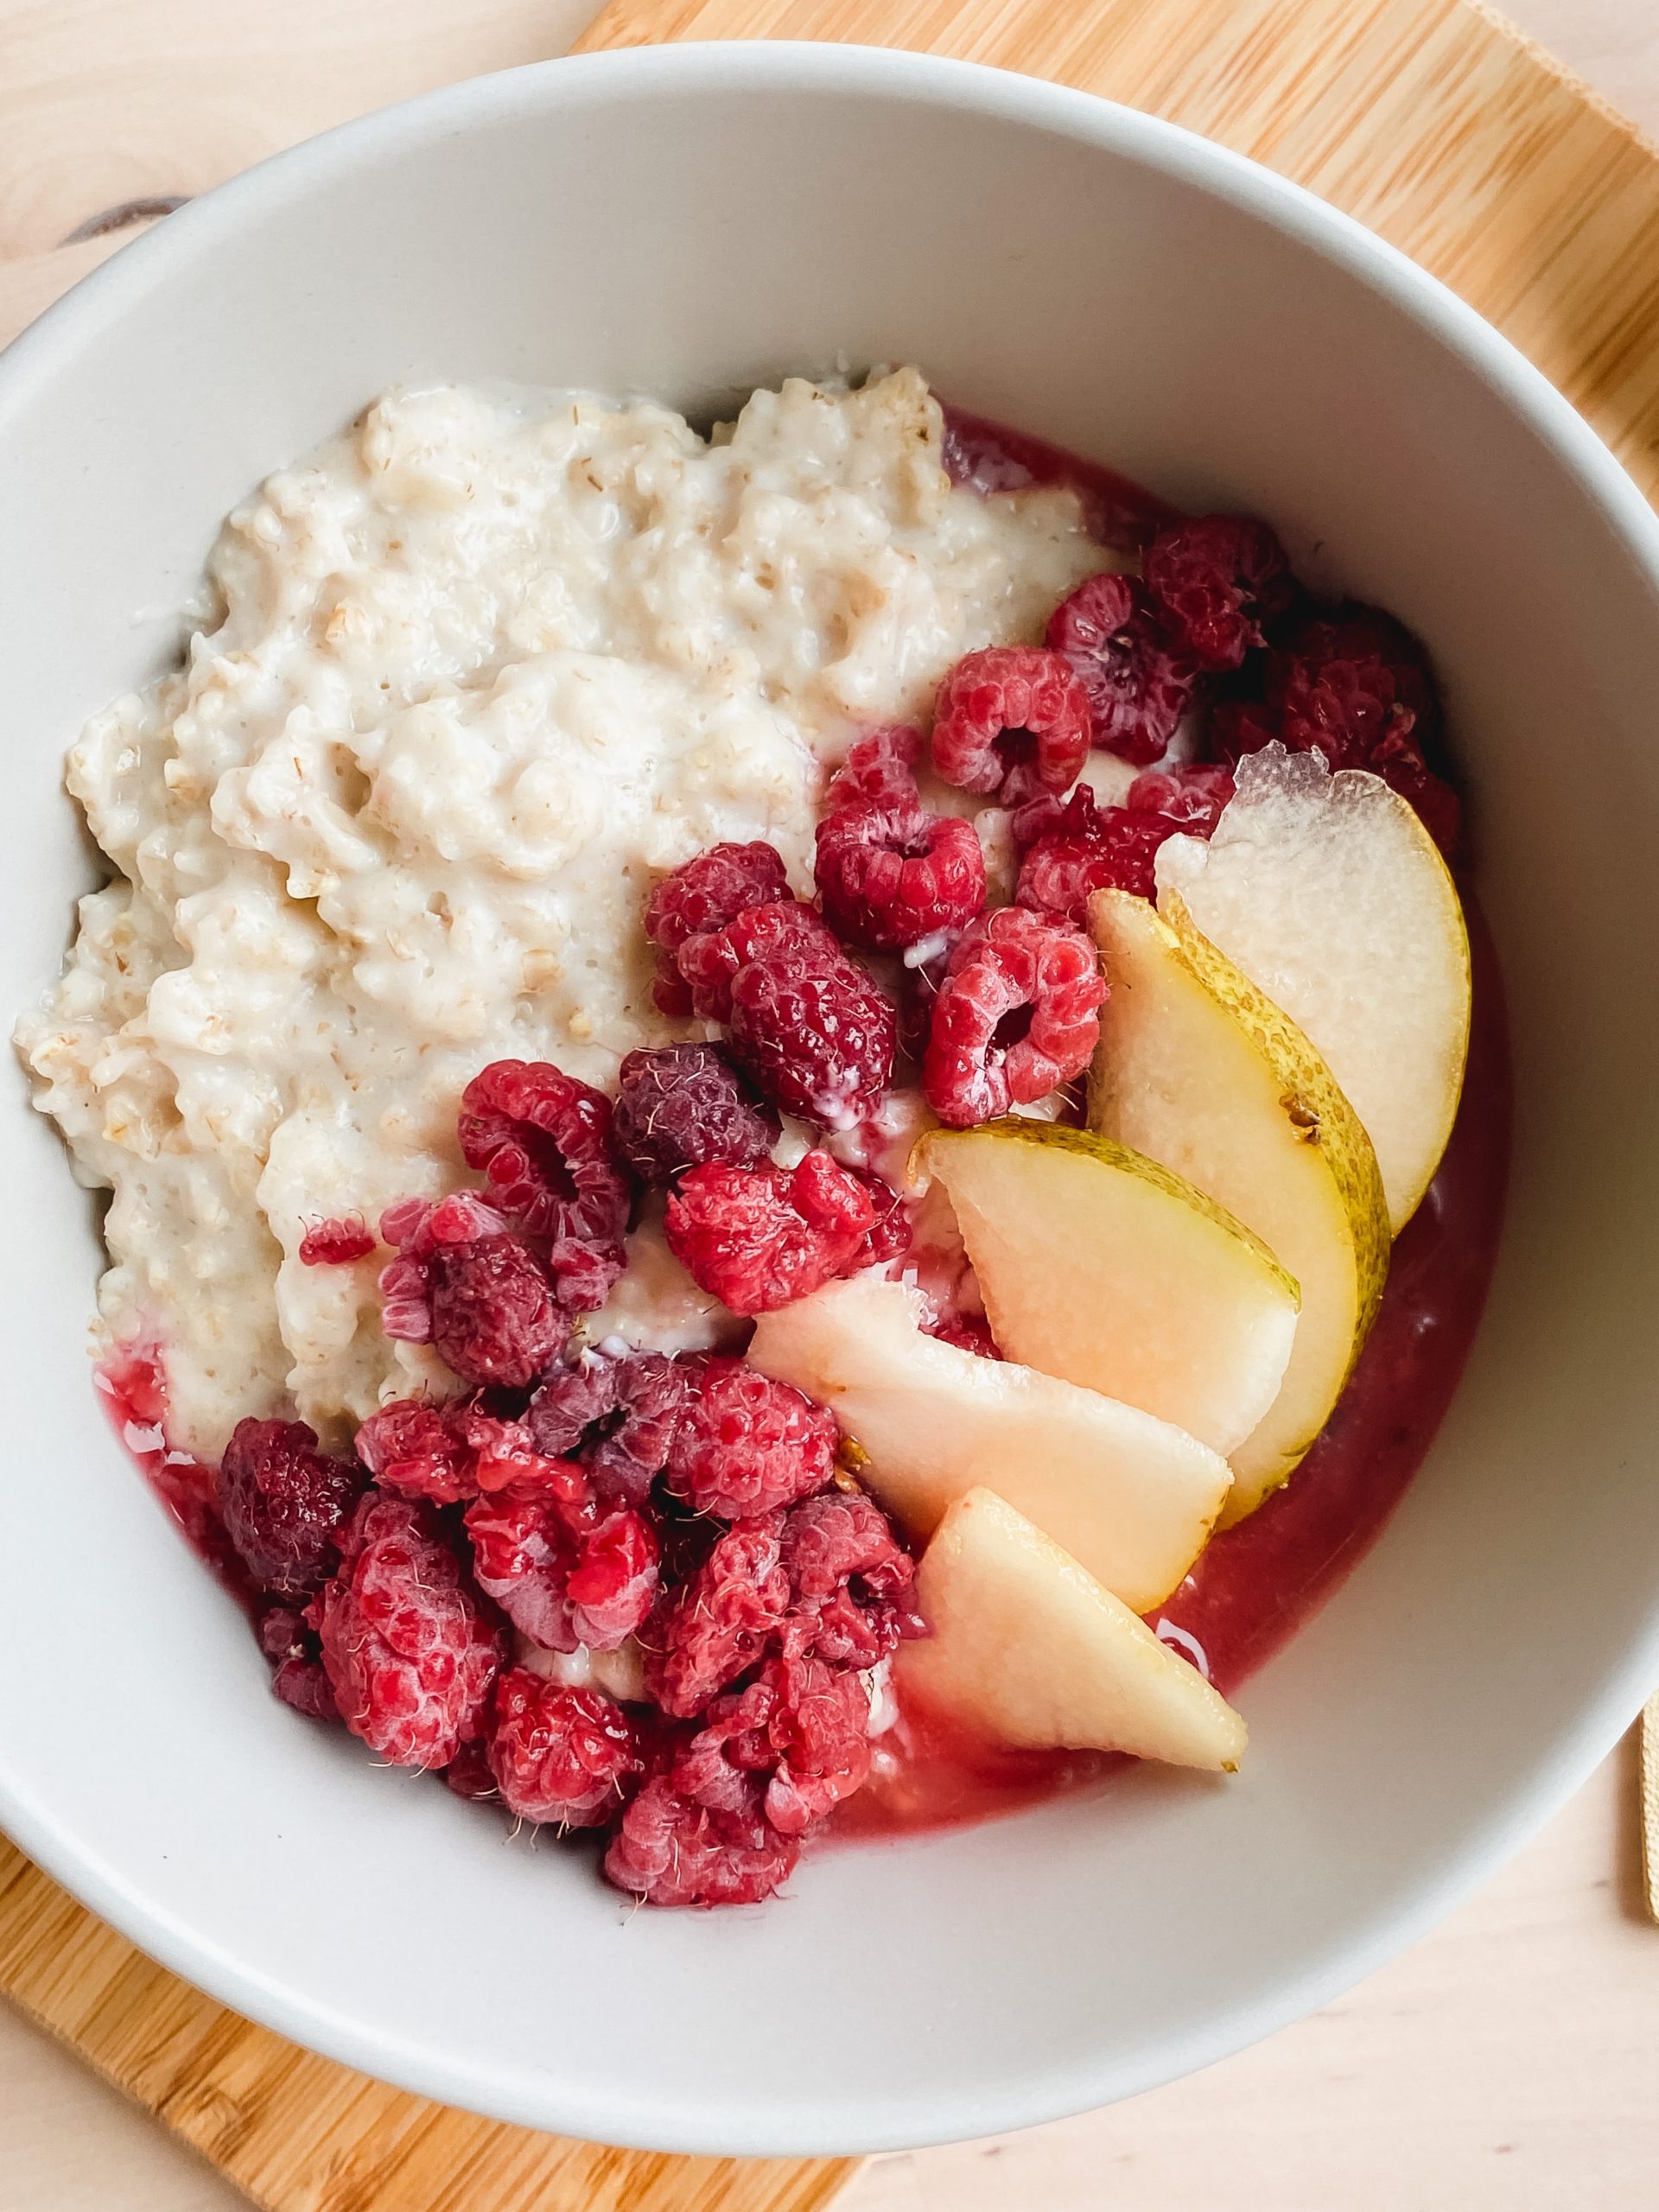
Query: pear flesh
x=1027, y=1649
x=1328, y=893
x=1133, y=1497
x=1199, y=1070
x=1099, y=1265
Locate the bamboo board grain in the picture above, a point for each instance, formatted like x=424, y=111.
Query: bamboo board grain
x=301, y=2134
x=1432, y=122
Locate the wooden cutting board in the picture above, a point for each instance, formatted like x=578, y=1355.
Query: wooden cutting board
x=301, y=2134
x=1433, y=121
x=1438, y=126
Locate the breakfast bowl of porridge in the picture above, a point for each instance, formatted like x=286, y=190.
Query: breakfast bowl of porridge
x=829, y=1199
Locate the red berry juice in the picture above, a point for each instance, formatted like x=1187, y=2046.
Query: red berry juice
x=133, y=1390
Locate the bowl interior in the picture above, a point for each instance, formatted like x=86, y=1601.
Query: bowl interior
x=689, y=224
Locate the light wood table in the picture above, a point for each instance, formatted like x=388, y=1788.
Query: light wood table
x=1506, y=2063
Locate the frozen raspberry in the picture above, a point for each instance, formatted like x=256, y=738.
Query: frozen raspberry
x=791, y=1746
x=1345, y=680
x=850, y=1579
x=445, y=1452
x=760, y=1237
x=285, y=1504
x=879, y=770
x=1011, y=720
x=414, y=1228
x=1090, y=848
x=544, y=1141
x=1083, y=848
x=1138, y=682
x=296, y=1656
x=807, y=1024
x=469, y=1773
x=408, y=1653
x=571, y=1399
x=611, y=1585
x=818, y=1036
x=304, y=1685
x=1190, y=799
x=714, y=1627
x=504, y=1451
x=565, y=1569
x=889, y=1236
x=710, y=962
x=669, y=1851
x=1362, y=647
x=848, y=1631
x=559, y=1755
x=583, y=1276
x=527, y=1541
x=494, y=1316
x=336, y=1243
x=727, y=1763
x=819, y=1727
x=283, y=1633
x=620, y=1413
x=417, y=1449
x=713, y=890
x=747, y=1444
x=1040, y=817
x=669, y=992
x=829, y=1538
x=1019, y=1015
x=1214, y=580
x=1353, y=684
x=417, y=1229
x=682, y=1106
x=890, y=876
x=624, y=1459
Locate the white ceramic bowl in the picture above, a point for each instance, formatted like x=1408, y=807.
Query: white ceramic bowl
x=688, y=223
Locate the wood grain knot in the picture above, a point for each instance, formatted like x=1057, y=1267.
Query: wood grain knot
x=123, y=216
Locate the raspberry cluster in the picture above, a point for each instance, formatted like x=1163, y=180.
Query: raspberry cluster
x=1069, y=851
x=685, y=1508
x=1214, y=642
x=1351, y=683
x=1217, y=629
x=1137, y=679
x=760, y=1237
x=806, y=1023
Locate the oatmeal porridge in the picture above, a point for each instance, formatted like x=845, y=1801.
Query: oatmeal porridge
x=484, y=669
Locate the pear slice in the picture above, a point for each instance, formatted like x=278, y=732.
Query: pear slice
x=1328, y=893
x=1132, y=1496
x=1027, y=1649
x=1198, y=1069
x=1099, y=1265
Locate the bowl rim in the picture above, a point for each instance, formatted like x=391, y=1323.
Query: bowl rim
x=626, y=2116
